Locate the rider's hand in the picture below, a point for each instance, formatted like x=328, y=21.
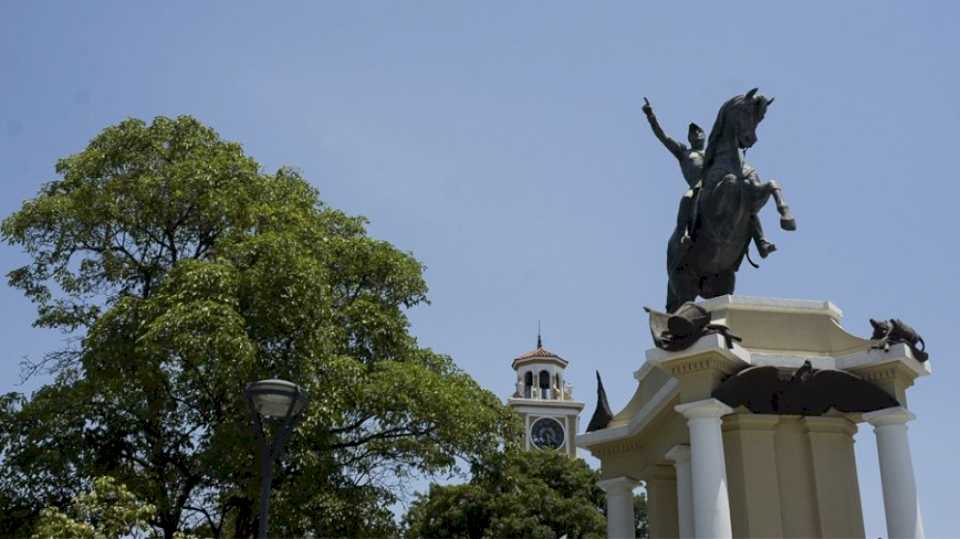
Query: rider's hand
x=647, y=109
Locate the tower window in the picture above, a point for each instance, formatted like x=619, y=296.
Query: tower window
x=544, y=384
x=527, y=384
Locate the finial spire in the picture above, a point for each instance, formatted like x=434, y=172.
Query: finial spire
x=539, y=338
x=602, y=415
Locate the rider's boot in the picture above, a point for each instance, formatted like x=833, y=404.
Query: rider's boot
x=764, y=247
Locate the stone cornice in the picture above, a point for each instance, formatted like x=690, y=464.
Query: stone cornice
x=899, y=356
x=527, y=404
x=777, y=305
x=615, y=447
x=707, y=345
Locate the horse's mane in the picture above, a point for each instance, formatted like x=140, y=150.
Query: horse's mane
x=717, y=130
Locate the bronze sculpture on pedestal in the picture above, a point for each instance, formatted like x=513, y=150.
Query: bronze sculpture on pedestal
x=718, y=219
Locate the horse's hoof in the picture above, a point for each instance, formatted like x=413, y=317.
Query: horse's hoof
x=788, y=223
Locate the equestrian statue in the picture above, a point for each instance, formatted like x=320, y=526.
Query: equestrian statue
x=717, y=217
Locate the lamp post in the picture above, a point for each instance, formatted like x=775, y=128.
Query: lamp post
x=278, y=399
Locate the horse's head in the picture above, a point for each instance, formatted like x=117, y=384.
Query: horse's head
x=745, y=113
x=742, y=114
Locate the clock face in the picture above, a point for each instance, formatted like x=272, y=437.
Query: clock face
x=547, y=433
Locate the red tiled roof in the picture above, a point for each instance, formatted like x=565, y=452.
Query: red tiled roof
x=540, y=353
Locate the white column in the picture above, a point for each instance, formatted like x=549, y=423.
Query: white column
x=619, y=506
x=708, y=468
x=680, y=455
x=900, y=500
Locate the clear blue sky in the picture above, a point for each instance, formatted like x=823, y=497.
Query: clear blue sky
x=503, y=144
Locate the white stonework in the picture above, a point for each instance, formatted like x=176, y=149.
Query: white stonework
x=675, y=436
x=900, y=500
x=619, y=506
x=680, y=456
x=711, y=501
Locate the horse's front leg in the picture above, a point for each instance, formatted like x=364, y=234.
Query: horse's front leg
x=787, y=222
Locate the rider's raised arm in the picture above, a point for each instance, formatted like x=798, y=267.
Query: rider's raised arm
x=675, y=147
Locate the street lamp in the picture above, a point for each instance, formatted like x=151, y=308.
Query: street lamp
x=277, y=399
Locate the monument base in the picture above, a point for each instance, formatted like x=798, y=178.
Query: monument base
x=721, y=469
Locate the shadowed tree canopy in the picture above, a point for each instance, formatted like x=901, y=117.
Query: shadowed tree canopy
x=184, y=272
x=535, y=494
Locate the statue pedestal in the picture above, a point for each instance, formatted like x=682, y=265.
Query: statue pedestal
x=734, y=472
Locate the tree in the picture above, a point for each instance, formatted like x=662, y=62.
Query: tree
x=107, y=511
x=184, y=271
x=542, y=494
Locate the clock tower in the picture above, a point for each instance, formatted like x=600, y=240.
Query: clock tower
x=545, y=402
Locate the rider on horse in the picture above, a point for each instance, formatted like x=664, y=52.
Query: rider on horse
x=691, y=165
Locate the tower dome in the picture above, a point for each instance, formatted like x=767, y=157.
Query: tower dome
x=540, y=375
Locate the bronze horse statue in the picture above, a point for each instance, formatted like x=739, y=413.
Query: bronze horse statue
x=729, y=198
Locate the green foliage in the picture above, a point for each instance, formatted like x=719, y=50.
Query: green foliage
x=108, y=511
x=640, y=516
x=187, y=272
x=536, y=494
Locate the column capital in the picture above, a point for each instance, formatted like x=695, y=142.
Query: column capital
x=703, y=408
x=679, y=454
x=618, y=484
x=897, y=415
